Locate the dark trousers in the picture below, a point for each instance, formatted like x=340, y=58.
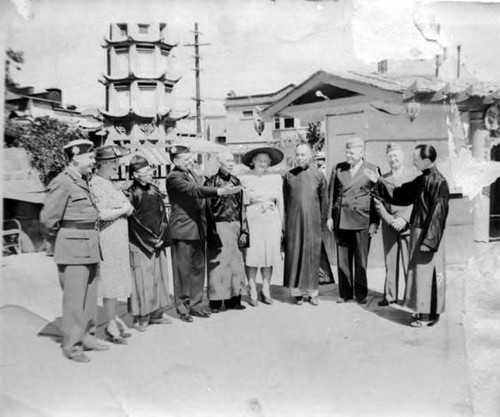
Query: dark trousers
x=79, y=306
x=352, y=256
x=188, y=264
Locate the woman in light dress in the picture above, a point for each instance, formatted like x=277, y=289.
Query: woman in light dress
x=114, y=269
x=263, y=193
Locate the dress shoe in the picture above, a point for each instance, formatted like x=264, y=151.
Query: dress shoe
x=266, y=300
x=215, y=310
x=125, y=334
x=117, y=340
x=160, y=320
x=299, y=300
x=383, y=303
x=253, y=302
x=200, y=313
x=186, y=318
x=97, y=346
x=238, y=307
x=363, y=300
x=313, y=301
x=79, y=357
x=140, y=327
x=341, y=300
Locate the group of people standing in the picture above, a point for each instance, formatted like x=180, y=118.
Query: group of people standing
x=114, y=243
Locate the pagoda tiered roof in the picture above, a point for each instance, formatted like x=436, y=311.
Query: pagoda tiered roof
x=131, y=40
x=132, y=76
x=134, y=113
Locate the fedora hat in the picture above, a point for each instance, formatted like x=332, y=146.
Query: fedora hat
x=78, y=147
x=108, y=152
x=274, y=154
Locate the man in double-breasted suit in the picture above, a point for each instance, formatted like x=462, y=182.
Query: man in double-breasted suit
x=191, y=226
x=353, y=218
x=69, y=218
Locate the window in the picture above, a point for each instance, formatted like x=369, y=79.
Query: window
x=146, y=59
x=276, y=123
x=289, y=122
x=122, y=30
x=121, y=63
x=122, y=96
x=220, y=139
x=147, y=95
x=144, y=29
x=247, y=113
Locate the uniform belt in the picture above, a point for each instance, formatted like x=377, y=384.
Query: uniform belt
x=69, y=224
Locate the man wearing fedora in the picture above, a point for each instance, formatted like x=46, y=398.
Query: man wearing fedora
x=192, y=226
x=353, y=218
x=69, y=218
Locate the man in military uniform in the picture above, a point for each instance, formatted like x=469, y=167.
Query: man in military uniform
x=69, y=218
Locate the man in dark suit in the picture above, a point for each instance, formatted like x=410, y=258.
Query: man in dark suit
x=191, y=226
x=69, y=217
x=353, y=218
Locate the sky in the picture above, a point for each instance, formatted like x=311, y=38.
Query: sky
x=256, y=46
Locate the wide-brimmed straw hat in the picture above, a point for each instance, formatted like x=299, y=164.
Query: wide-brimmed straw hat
x=274, y=154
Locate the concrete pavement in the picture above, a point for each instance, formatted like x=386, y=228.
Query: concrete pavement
x=334, y=359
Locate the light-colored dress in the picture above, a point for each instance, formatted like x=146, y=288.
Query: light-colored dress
x=263, y=197
x=115, y=280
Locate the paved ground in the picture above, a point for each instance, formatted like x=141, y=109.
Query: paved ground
x=342, y=360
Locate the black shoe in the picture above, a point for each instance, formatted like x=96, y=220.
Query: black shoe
x=299, y=300
x=238, y=307
x=383, y=303
x=363, y=300
x=215, y=310
x=186, y=318
x=160, y=320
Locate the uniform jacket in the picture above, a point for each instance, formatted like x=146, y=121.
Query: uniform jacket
x=69, y=200
x=350, y=203
x=394, y=210
x=190, y=211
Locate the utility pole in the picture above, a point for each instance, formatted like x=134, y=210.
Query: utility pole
x=459, y=47
x=197, y=99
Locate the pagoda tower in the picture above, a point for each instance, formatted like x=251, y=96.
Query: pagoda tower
x=138, y=111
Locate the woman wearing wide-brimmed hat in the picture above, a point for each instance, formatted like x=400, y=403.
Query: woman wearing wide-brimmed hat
x=114, y=270
x=264, y=200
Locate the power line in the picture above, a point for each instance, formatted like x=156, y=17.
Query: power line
x=198, y=99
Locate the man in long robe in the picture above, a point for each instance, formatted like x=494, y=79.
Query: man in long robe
x=305, y=194
x=429, y=193
x=149, y=237
x=226, y=268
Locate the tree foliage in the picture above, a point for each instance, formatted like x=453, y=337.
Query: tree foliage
x=14, y=59
x=44, y=139
x=315, y=136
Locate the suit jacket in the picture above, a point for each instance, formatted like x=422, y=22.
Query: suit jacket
x=69, y=200
x=188, y=218
x=350, y=202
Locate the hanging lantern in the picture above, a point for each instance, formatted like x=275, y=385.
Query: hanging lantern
x=413, y=110
x=258, y=125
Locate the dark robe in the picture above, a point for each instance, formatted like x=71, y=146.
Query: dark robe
x=226, y=269
x=148, y=225
x=429, y=193
x=305, y=194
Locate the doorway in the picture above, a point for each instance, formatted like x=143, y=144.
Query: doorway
x=495, y=200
